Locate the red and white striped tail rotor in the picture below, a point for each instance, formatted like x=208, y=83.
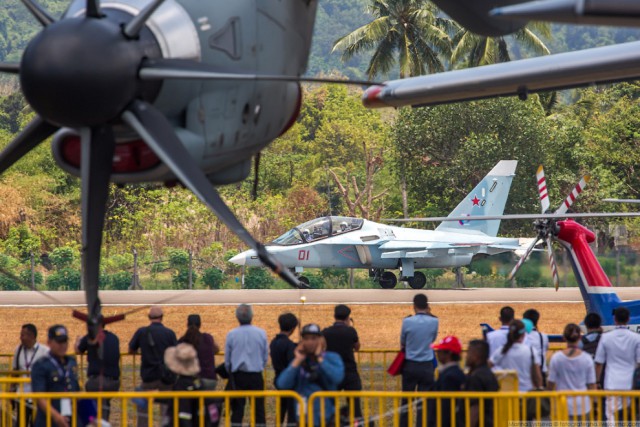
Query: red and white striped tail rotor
x=542, y=189
x=573, y=195
x=552, y=263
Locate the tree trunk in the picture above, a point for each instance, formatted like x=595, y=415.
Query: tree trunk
x=351, y=278
x=403, y=188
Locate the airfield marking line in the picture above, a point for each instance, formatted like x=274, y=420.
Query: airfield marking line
x=284, y=303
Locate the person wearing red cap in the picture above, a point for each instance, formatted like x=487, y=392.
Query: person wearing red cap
x=450, y=378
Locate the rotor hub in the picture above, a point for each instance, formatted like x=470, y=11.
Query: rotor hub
x=81, y=72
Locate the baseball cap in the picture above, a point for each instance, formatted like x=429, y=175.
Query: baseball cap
x=449, y=343
x=58, y=333
x=311, y=329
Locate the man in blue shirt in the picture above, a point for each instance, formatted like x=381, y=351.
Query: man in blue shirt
x=417, y=334
x=103, y=372
x=246, y=352
x=56, y=372
x=313, y=369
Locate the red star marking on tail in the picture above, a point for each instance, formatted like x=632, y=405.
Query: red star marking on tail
x=475, y=201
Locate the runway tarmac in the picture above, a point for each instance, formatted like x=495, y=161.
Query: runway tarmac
x=312, y=296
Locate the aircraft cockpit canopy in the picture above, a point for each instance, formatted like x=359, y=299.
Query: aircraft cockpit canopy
x=319, y=228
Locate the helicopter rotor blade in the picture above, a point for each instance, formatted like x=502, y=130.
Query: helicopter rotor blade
x=573, y=195
x=517, y=217
x=521, y=261
x=160, y=69
x=32, y=135
x=97, y=149
x=157, y=132
x=552, y=263
x=542, y=189
x=39, y=13
x=9, y=67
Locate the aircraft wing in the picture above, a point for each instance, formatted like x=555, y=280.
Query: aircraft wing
x=565, y=70
x=421, y=249
x=500, y=17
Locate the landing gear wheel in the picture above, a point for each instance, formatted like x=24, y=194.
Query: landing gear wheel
x=304, y=279
x=417, y=281
x=388, y=280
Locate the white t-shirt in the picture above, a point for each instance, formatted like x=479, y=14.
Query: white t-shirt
x=26, y=357
x=497, y=338
x=620, y=350
x=517, y=358
x=533, y=340
x=573, y=373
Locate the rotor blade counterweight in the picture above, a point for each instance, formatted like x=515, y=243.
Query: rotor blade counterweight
x=98, y=145
x=157, y=132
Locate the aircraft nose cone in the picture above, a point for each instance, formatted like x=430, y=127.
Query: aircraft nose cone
x=240, y=259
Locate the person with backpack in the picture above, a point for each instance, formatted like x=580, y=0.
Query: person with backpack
x=539, y=341
x=152, y=341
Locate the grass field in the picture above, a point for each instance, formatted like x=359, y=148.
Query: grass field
x=377, y=325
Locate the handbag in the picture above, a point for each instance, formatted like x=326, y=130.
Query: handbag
x=396, y=366
x=531, y=402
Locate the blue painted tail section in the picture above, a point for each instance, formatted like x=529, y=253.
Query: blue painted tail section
x=488, y=198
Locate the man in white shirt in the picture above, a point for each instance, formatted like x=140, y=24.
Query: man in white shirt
x=498, y=338
x=619, y=349
x=538, y=341
x=25, y=355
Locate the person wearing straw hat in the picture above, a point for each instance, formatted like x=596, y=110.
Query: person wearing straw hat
x=183, y=361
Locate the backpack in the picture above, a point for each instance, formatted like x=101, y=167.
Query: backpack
x=590, y=343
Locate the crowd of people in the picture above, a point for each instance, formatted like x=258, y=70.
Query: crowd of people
x=324, y=359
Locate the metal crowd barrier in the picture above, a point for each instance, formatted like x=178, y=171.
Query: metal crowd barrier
x=127, y=407
x=510, y=409
x=372, y=365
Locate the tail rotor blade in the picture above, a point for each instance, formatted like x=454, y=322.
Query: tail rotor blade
x=98, y=145
x=523, y=259
x=35, y=132
x=158, y=133
x=542, y=189
x=552, y=263
x=573, y=195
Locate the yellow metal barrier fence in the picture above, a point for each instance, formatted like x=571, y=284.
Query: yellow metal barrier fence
x=460, y=409
x=372, y=365
x=137, y=408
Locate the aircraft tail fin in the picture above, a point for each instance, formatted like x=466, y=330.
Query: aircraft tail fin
x=489, y=197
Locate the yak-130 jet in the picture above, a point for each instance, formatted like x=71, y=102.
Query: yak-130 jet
x=336, y=241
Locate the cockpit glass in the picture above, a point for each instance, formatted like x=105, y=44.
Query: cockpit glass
x=291, y=237
x=319, y=228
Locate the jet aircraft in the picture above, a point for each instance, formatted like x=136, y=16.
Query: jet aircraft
x=501, y=17
x=344, y=242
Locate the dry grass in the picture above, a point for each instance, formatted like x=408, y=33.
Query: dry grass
x=377, y=325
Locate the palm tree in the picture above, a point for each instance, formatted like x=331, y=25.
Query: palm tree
x=472, y=50
x=410, y=28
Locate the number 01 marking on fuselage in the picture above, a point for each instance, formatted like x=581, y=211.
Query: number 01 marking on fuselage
x=303, y=255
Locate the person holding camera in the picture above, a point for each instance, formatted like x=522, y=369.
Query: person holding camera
x=342, y=338
x=313, y=369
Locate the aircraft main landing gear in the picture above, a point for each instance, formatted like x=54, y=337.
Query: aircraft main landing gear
x=418, y=281
x=304, y=279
